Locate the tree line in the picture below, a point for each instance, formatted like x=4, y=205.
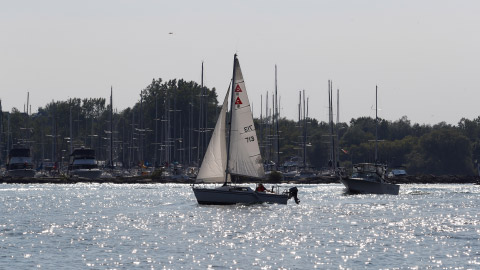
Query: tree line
x=171, y=122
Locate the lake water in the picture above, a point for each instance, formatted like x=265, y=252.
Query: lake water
x=161, y=226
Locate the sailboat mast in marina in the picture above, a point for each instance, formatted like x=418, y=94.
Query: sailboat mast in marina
x=111, y=127
x=235, y=155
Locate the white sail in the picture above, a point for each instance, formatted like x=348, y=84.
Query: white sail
x=245, y=158
x=214, y=162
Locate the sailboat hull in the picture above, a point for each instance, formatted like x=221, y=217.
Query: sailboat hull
x=236, y=195
x=359, y=186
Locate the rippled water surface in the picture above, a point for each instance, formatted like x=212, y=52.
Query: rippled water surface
x=161, y=226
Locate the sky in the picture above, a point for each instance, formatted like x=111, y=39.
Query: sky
x=423, y=55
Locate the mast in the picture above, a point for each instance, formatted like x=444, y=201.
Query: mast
x=156, y=131
x=267, y=131
x=304, y=133
x=200, y=121
x=174, y=141
x=205, y=107
x=140, y=127
x=54, y=154
x=86, y=129
x=43, y=145
x=329, y=123
x=376, y=123
x=71, y=139
x=277, y=136
x=111, y=126
x=131, y=158
x=165, y=127
x=299, y=106
x=261, y=124
x=330, y=99
x=190, y=132
x=123, y=143
x=8, y=134
x=227, y=169
x=338, y=106
x=337, y=125
x=26, y=122
x=299, y=125
x=168, y=131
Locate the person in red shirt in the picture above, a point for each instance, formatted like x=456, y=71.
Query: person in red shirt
x=260, y=188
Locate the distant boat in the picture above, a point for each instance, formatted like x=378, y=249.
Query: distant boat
x=239, y=156
x=83, y=164
x=19, y=163
x=370, y=177
x=396, y=173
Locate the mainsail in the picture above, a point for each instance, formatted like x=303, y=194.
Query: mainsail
x=214, y=162
x=245, y=158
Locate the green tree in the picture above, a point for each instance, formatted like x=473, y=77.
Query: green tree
x=443, y=151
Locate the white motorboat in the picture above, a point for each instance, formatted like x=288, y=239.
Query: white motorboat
x=19, y=163
x=83, y=164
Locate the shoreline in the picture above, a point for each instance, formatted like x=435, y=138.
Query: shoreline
x=411, y=179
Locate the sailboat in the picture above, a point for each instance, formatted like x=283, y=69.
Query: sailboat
x=369, y=178
x=237, y=155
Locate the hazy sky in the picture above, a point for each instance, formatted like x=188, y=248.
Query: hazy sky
x=423, y=55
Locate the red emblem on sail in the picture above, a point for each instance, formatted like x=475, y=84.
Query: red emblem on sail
x=238, y=101
x=238, y=89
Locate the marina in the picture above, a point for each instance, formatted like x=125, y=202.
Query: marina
x=165, y=137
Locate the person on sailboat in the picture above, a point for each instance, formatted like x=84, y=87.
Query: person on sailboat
x=260, y=188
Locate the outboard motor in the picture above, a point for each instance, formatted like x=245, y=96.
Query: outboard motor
x=293, y=193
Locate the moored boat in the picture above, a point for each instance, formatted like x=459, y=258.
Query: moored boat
x=83, y=164
x=19, y=163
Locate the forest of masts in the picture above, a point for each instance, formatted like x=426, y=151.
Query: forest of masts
x=172, y=121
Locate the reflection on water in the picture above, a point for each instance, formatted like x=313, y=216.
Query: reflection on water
x=162, y=226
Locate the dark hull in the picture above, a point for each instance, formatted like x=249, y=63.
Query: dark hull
x=21, y=173
x=225, y=196
x=86, y=173
x=359, y=186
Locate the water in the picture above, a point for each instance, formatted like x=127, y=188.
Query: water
x=161, y=226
